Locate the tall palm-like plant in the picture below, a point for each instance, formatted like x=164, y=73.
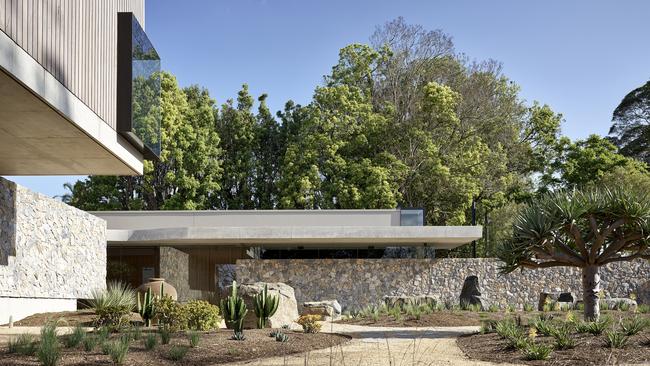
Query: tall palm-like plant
x=586, y=229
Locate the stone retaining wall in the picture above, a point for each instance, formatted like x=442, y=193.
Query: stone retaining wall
x=48, y=249
x=356, y=283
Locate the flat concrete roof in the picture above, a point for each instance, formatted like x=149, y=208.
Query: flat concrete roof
x=279, y=229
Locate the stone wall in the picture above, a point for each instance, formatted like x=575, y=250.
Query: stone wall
x=356, y=283
x=48, y=249
x=174, y=268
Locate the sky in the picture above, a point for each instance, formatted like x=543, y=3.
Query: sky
x=578, y=56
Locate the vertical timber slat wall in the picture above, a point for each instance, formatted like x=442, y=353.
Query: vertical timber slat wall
x=76, y=41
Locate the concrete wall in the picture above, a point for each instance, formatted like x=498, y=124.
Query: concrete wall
x=356, y=283
x=50, y=253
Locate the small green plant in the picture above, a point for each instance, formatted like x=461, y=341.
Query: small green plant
x=543, y=326
x=396, y=313
x=170, y=313
x=165, y=335
x=493, y=308
x=537, y=351
x=632, y=326
x=623, y=306
x=118, y=350
x=238, y=336
x=201, y=315
x=194, y=338
x=102, y=333
x=136, y=333
x=274, y=333
x=177, y=353
x=281, y=337
x=89, y=343
x=488, y=326
x=518, y=341
x=309, y=323
x=595, y=328
x=603, y=305
x=150, y=341
x=643, y=308
x=265, y=305
x=507, y=329
x=106, y=348
x=615, y=339
x=286, y=326
x=234, y=310
x=113, y=305
x=24, y=344
x=563, y=339
x=49, y=351
x=528, y=307
x=75, y=338
x=511, y=308
x=580, y=306
x=146, y=306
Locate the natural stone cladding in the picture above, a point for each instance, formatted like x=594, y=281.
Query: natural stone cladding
x=356, y=283
x=48, y=249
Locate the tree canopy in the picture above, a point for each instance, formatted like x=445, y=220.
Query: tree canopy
x=630, y=130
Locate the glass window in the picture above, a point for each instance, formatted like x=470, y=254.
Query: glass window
x=412, y=217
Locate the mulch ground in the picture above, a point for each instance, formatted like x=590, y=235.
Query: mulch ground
x=214, y=348
x=67, y=318
x=589, y=350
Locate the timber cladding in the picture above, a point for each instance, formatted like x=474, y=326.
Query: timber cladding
x=76, y=41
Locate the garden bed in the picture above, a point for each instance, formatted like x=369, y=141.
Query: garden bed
x=213, y=348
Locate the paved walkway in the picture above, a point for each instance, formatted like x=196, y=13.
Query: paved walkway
x=378, y=346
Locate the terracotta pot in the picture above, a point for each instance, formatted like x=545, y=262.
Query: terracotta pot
x=154, y=284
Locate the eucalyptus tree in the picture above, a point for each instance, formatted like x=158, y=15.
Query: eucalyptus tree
x=581, y=228
x=630, y=130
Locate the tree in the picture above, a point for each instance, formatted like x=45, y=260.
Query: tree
x=268, y=153
x=630, y=130
x=581, y=228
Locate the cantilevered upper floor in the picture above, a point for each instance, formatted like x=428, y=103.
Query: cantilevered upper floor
x=62, y=67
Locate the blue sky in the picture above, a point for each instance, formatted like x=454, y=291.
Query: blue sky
x=580, y=57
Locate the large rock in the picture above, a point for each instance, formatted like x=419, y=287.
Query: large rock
x=553, y=297
x=327, y=309
x=403, y=300
x=287, y=311
x=614, y=303
x=471, y=294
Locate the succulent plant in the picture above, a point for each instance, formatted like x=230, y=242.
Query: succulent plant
x=265, y=306
x=281, y=337
x=234, y=310
x=146, y=307
x=238, y=336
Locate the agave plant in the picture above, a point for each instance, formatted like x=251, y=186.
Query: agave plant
x=234, y=310
x=117, y=295
x=265, y=306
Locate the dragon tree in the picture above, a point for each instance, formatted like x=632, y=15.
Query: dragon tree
x=581, y=228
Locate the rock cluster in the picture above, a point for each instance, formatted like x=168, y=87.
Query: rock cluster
x=287, y=311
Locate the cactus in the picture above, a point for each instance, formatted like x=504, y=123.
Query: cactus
x=234, y=310
x=265, y=306
x=146, y=307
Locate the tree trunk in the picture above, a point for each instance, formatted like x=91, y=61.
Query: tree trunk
x=590, y=291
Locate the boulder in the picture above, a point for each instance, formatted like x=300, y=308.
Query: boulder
x=614, y=303
x=287, y=311
x=553, y=297
x=327, y=309
x=402, y=300
x=471, y=294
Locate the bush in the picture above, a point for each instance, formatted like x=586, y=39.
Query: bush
x=177, y=353
x=615, y=339
x=493, y=308
x=170, y=313
x=535, y=351
x=113, y=316
x=632, y=326
x=165, y=335
x=102, y=334
x=309, y=323
x=118, y=350
x=488, y=326
x=113, y=304
x=135, y=333
x=49, y=351
x=518, y=341
x=76, y=337
x=201, y=315
x=24, y=345
x=150, y=341
x=194, y=337
x=563, y=339
x=90, y=343
x=543, y=326
x=507, y=329
x=595, y=328
x=623, y=306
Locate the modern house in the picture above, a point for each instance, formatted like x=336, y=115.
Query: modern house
x=71, y=73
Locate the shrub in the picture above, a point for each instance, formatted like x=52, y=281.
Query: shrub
x=518, y=341
x=165, y=335
x=113, y=304
x=106, y=348
x=580, y=306
x=509, y=308
x=543, y=326
x=170, y=313
x=623, y=306
x=632, y=326
x=396, y=313
x=24, y=345
x=563, y=339
x=536, y=351
x=493, y=308
x=615, y=339
x=238, y=336
x=201, y=315
x=528, y=307
x=488, y=326
x=309, y=323
x=90, y=343
x=103, y=333
x=603, y=305
x=136, y=333
x=507, y=329
x=177, y=353
x=595, y=328
x=194, y=337
x=76, y=337
x=150, y=341
x=49, y=351
x=117, y=350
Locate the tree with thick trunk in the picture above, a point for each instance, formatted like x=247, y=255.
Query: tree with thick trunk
x=586, y=229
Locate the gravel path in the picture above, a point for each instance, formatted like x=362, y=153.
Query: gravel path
x=378, y=346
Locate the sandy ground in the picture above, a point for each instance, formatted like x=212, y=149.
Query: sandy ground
x=7, y=333
x=378, y=346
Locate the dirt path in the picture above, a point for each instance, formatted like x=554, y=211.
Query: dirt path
x=378, y=346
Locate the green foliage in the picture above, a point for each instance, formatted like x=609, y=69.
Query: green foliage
x=76, y=337
x=150, y=341
x=234, y=310
x=281, y=337
x=563, y=339
x=106, y=347
x=544, y=326
x=615, y=339
x=528, y=307
x=113, y=305
x=165, y=334
x=537, y=351
x=146, y=307
x=171, y=314
x=118, y=350
x=24, y=344
x=507, y=328
x=623, y=306
x=493, y=308
x=643, y=308
x=632, y=326
x=238, y=336
x=49, y=350
x=201, y=315
x=177, y=353
x=102, y=333
x=595, y=327
x=194, y=338
x=135, y=333
x=630, y=128
x=488, y=326
x=265, y=306
x=89, y=343
x=309, y=323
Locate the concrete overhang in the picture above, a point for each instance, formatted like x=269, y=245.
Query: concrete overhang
x=46, y=130
x=441, y=237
